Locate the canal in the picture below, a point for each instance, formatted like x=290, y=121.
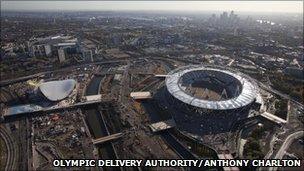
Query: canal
x=155, y=115
x=95, y=121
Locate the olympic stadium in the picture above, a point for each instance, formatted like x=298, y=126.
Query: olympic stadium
x=208, y=100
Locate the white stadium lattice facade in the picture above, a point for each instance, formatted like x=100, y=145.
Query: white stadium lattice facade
x=207, y=99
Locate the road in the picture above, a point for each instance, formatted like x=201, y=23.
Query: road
x=271, y=144
x=25, y=78
x=278, y=93
x=125, y=84
x=285, y=146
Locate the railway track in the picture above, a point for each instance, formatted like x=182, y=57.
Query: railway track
x=10, y=160
x=23, y=142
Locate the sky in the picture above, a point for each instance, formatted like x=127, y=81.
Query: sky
x=238, y=6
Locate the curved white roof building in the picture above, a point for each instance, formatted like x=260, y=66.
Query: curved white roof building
x=57, y=90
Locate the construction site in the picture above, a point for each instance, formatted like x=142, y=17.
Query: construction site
x=131, y=109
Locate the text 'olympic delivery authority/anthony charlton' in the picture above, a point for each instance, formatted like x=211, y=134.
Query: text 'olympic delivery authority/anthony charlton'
x=176, y=163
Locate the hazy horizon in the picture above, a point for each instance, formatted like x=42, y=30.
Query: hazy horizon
x=186, y=6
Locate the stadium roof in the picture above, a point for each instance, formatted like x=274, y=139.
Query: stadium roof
x=57, y=90
x=246, y=96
